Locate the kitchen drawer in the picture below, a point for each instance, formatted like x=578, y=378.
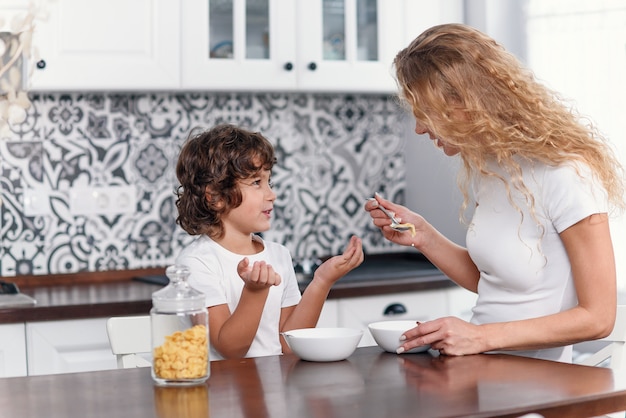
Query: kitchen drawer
x=328, y=316
x=68, y=346
x=460, y=302
x=419, y=306
x=12, y=350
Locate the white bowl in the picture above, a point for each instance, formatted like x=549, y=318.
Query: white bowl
x=387, y=334
x=323, y=344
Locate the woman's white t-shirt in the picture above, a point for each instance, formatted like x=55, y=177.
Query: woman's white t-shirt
x=524, y=268
x=214, y=273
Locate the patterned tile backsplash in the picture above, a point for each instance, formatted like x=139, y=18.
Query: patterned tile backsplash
x=333, y=152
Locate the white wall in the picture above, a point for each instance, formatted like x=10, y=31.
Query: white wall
x=577, y=48
x=500, y=19
x=431, y=188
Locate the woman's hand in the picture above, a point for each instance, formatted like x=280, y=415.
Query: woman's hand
x=403, y=215
x=338, y=266
x=451, y=336
x=258, y=276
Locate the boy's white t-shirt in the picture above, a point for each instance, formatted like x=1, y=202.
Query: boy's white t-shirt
x=214, y=273
x=524, y=269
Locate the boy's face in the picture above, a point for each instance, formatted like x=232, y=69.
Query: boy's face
x=257, y=203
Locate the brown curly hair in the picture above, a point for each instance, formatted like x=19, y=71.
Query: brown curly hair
x=210, y=165
x=454, y=69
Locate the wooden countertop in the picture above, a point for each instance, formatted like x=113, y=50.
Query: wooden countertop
x=82, y=295
x=370, y=383
x=105, y=294
x=82, y=301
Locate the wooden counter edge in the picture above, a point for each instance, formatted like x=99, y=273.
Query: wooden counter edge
x=86, y=277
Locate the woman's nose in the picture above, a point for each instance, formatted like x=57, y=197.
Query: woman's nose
x=420, y=129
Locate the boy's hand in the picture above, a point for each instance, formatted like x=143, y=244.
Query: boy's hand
x=258, y=276
x=338, y=266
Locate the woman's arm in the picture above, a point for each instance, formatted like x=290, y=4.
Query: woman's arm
x=590, y=250
x=452, y=259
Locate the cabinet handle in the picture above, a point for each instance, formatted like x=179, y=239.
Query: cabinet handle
x=41, y=64
x=288, y=66
x=312, y=66
x=394, y=309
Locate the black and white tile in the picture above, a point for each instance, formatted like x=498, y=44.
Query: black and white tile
x=333, y=152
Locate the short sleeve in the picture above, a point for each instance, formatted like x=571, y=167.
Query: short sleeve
x=572, y=193
x=291, y=292
x=205, y=278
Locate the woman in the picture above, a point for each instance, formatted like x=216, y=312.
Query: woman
x=539, y=252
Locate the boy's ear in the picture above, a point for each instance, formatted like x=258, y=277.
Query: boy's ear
x=213, y=200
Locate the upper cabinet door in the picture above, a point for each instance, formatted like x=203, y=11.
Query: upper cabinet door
x=303, y=45
x=238, y=44
x=109, y=45
x=348, y=45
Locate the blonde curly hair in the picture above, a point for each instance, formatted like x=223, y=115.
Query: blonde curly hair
x=466, y=89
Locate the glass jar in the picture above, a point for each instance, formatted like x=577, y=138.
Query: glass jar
x=180, y=332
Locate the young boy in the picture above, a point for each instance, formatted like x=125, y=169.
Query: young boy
x=225, y=196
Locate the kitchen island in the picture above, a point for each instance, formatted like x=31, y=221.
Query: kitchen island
x=370, y=383
x=65, y=331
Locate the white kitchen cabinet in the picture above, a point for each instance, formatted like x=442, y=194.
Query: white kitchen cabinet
x=68, y=346
x=329, y=317
x=229, y=45
x=460, y=302
x=12, y=350
x=358, y=312
x=109, y=45
x=312, y=45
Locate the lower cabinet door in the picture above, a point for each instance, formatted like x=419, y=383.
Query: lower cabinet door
x=328, y=316
x=461, y=302
x=12, y=350
x=68, y=346
x=418, y=306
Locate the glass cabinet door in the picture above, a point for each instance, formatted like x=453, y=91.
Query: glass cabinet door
x=221, y=29
x=238, y=44
x=290, y=45
x=334, y=29
x=352, y=46
x=230, y=36
x=367, y=30
x=365, y=36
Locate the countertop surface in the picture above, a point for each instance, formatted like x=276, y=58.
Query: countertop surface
x=370, y=383
x=132, y=297
x=82, y=301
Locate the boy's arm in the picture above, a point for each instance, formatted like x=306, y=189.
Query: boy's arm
x=307, y=312
x=232, y=333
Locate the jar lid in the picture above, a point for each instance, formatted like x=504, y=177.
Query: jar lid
x=178, y=295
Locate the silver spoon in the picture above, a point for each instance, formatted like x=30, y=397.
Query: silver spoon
x=394, y=222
